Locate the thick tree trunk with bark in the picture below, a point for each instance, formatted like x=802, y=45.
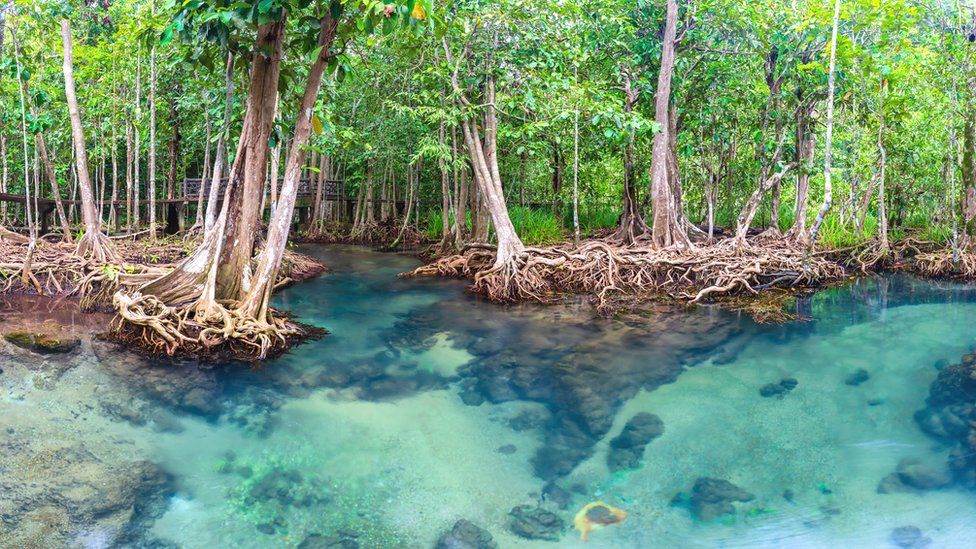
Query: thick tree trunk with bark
x=255, y=303
x=219, y=269
x=666, y=230
x=93, y=243
x=483, y=153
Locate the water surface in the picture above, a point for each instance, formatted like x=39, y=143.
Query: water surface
x=425, y=405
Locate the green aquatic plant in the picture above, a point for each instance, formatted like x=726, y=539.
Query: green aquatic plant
x=277, y=495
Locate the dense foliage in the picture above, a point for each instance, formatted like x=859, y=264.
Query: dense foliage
x=749, y=77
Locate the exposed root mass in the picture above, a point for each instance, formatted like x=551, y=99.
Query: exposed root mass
x=368, y=234
x=604, y=270
x=55, y=269
x=221, y=332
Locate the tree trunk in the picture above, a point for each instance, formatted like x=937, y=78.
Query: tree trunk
x=805, y=148
x=219, y=269
x=445, y=191
x=829, y=136
x=631, y=224
x=748, y=212
x=198, y=223
x=666, y=230
x=275, y=161
x=128, y=178
x=55, y=190
x=221, y=156
x=113, y=211
x=882, y=213
x=576, y=223
x=93, y=243
x=137, y=186
x=152, y=143
x=255, y=303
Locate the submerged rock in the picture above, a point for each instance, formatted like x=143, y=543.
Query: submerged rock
x=558, y=496
x=41, y=342
x=596, y=515
x=342, y=540
x=780, y=389
x=913, y=476
x=529, y=419
x=507, y=449
x=713, y=497
x=69, y=491
x=857, y=378
x=950, y=416
x=535, y=523
x=466, y=535
x=909, y=537
x=627, y=449
x=564, y=364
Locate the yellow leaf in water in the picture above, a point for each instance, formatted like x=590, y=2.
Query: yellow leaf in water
x=418, y=12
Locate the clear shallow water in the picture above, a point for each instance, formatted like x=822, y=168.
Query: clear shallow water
x=425, y=405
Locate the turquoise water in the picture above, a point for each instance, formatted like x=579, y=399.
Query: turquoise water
x=425, y=405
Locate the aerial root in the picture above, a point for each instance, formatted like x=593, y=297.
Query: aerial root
x=606, y=269
x=370, y=233
x=219, y=329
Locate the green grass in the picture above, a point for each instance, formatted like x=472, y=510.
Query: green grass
x=536, y=226
x=533, y=226
x=591, y=218
x=434, y=225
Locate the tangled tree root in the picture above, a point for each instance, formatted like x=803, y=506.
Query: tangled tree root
x=604, y=269
x=56, y=270
x=943, y=263
x=221, y=332
x=369, y=234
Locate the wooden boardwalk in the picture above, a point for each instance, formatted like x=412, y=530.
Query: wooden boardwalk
x=333, y=190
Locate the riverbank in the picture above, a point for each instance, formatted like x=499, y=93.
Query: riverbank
x=53, y=269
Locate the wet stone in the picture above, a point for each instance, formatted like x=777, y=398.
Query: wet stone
x=950, y=417
x=627, y=449
x=532, y=522
x=913, y=476
x=909, y=537
x=713, y=497
x=466, y=535
x=40, y=342
x=529, y=419
x=558, y=496
x=341, y=540
x=778, y=389
x=857, y=378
